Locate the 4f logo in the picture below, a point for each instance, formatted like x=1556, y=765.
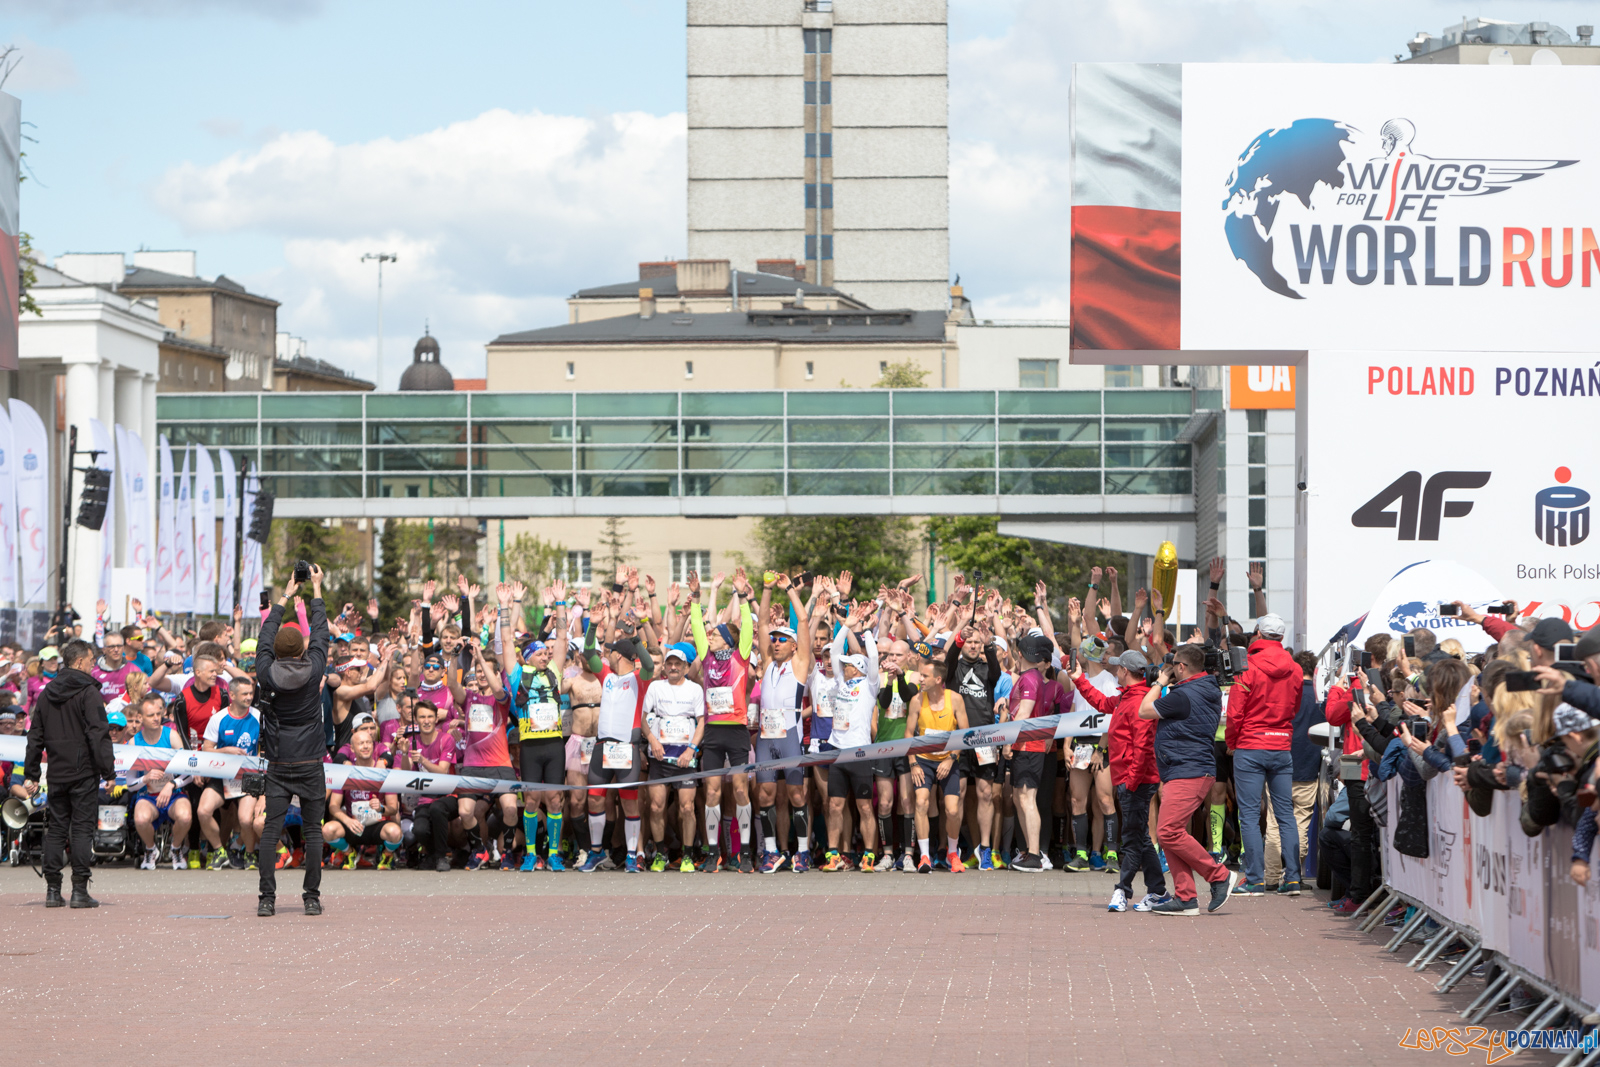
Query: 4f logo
x=1422, y=507
x=419, y=784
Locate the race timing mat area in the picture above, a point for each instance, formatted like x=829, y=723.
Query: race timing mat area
x=410, y=967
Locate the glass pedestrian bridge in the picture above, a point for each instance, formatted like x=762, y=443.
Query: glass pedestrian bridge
x=907, y=451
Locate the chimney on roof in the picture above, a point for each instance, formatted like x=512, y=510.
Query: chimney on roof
x=784, y=268
x=799, y=297
x=664, y=268
x=960, y=306
x=703, y=277
x=647, y=303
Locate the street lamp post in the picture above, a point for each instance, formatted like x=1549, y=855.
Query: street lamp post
x=382, y=258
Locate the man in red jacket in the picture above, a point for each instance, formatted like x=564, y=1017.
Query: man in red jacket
x=1261, y=709
x=1131, y=743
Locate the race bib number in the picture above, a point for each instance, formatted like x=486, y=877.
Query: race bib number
x=841, y=718
x=231, y=789
x=986, y=754
x=676, y=730
x=1081, y=757
x=773, y=723
x=112, y=817
x=897, y=707
x=544, y=716
x=823, y=706
x=586, y=749
x=366, y=812
x=617, y=756
x=480, y=719
x=719, y=699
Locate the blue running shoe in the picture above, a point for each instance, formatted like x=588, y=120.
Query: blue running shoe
x=772, y=862
x=985, y=858
x=632, y=866
x=596, y=857
x=1253, y=889
x=1150, y=901
x=556, y=866
x=529, y=862
x=1096, y=862
x=801, y=862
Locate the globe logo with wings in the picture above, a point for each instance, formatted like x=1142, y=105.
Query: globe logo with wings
x=1318, y=167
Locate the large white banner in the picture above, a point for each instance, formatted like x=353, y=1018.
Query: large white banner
x=183, y=541
x=8, y=514
x=106, y=461
x=166, y=520
x=32, y=448
x=1414, y=457
x=252, y=579
x=1433, y=208
x=227, y=565
x=205, y=532
x=134, y=465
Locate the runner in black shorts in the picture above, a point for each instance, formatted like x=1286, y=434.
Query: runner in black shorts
x=532, y=684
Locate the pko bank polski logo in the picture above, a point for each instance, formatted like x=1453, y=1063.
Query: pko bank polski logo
x=1351, y=207
x=1561, y=513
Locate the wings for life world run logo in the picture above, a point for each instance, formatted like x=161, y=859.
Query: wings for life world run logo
x=1356, y=208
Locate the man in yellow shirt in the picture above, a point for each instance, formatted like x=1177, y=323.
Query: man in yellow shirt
x=938, y=710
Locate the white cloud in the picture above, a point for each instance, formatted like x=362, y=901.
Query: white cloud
x=496, y=219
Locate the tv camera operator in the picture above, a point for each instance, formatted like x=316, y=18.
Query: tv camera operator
x=289, y=670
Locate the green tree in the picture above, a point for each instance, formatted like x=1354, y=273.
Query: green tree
x=393, y=589
x=616, y=542
x=333, y=548
x=903, y=375
x=877, y=549
x=534, y=562
x=973, y=545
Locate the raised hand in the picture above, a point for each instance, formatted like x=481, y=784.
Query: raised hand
x=583, y=597
x=846, y=580
x=1094, y=575
x=518, y=590
x=1074, y=610
x=558, y=590
x=782, y=581
x=622, y=574
x=1111, y=575
x=1040, y=593
x=372, y=608
x=673, y=592
x=1257, y=578
x=1105, y=608
x=473, y=591
x=1156, y=601
x=502, y=593
x=633, y=579
x=718, y=578
x=1141, y=597
x=461, y=583
x=694, y=584
x=429, y=587
x=451, y=602
x=650, y=584
x=99, y=608
x=1219, y=566
x=547, y=596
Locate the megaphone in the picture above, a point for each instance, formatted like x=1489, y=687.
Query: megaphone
x=15, y=813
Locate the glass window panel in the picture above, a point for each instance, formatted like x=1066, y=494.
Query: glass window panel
x=522, y=459
x=626, y=433
x=601, y=405
x=311, y=459
x=1258, y=544
x=416, y=459
x=513, y=405
x=522, y=433
x=726, y=404
x=522, y=485
x=943, y=430
x=1255, y=449
x=852, y=402
x=1258, y=512
x=1147, y=455
x=1258, y=481
x=205, y=406
x=311, y=405
x=418, y=485
x=942, y=402
x=1079, y=431
x=733, y=484
x=1143, y=429
x=1170, y=482
x=303, y=486
x=1037, y=373
x=614, y=459
x=628, y=485
x=416, y=433
x=1256, y=421
x=1062, y=402
x=1148, y=402
x=1208, y=399
x=825, y=457
x=839, y=484
x=216, y=434
x=934, y=483
x=759, y=457
x=805, y=431
x=962, y=456
x=719, y=432
x=416, y=405
x=1045, y=455
x=311, y=433
x=1050, y=483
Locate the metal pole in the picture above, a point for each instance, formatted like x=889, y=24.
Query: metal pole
x=66, y=531
x=238, y=539
x=378, y=370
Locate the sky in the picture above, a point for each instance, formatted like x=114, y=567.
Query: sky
x=512, y=152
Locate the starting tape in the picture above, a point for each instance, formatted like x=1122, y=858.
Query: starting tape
x=142, y=759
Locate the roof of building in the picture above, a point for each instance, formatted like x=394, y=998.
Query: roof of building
x=319, y=369
x=791, y=326
x=751, y=283
x=172, y=340
x=144, y=278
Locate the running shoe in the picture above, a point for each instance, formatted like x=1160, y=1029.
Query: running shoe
x=712, y=863
x=251, y=863
x=1222, y=889
x=956, y=866
x=999, y=860
x=1028, y=863
x=908, y=863
x=1346, y=906
x=940, y=863
x=386, y=860
x=236, y=858
x=297, y=858
x=772, y=862
x=1217, y=855
x=868, y=864
x=608, y=862
x=554, y=865
x=801, y=862
x=218, y=860
x=477, y=860
x=591, y=863
x=530, y=863
x=985, y=858
x=1290, y=889
x=1252, y=889
x=194, y=859
x=1097, y=862
x=1113, y=866
x=746, y=863
x=686, y=865
x=351, y=858
x=179, y=863
x=971, y=862
x=885, y=862
x=924, y=865
x=283, y=859
x=1044, y=862
x=1149, y=902
x=369, y=858
x=1119, y=900
x=658, y=862
x=442, y=864
x=632, y=865
x=834, y=862
x=1079, y=862
x=149, y=861
x=508, y=861
x=1175, y=906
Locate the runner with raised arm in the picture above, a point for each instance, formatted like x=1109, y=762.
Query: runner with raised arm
x=725, y=673
x=533, y=676
x=782, y=695
x=855, y=711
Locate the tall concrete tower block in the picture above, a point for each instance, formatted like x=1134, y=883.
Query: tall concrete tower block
x=820, y=131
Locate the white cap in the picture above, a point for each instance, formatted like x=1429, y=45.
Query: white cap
x=856, y=661
x=1271, y=626
x=675, y=651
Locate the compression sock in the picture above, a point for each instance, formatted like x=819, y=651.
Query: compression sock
x=474, y=839
x=746, y=841
x=1060, y=824
x=797, y=821
x=581, y=835
x=1008, y=833
x=908, y=832
x=630, y=833
x=1219, y=814
x=552, y=832
x=597, y=831
x=769, y=822
x=922, y=843
x=885, y=835
x=391, y=846
x=609, y=837
x=713, y=818
x=1080, y=832
x=1110, y=832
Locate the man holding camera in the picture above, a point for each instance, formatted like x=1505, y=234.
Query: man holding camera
x=289, y=668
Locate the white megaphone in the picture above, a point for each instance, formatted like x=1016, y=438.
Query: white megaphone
x=15, y=813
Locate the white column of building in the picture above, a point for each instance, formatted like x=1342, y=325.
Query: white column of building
x=128, y=412
x=83, y=546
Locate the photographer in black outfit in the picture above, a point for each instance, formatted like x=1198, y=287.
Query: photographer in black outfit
x=69, y=724
x=289, y=669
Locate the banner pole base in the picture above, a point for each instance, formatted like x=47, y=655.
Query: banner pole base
x=1490, y=995
x=1462, y=968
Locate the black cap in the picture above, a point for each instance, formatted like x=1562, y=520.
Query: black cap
x=1550, y=633
x=1589, y=644
x=1035, y=648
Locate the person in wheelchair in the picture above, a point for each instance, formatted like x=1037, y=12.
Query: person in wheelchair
x=160, y=798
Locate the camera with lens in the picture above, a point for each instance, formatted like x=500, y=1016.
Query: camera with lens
x=1555, y=759
x=1224, y=663
x=302, y=572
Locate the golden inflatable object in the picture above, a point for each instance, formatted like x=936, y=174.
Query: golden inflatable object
x=1164, y=575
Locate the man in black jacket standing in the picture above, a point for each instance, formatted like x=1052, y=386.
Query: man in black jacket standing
x=289, y=669
x=69, y=723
